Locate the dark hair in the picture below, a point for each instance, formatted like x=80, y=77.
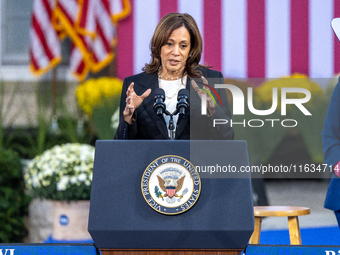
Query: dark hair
x=165, y=27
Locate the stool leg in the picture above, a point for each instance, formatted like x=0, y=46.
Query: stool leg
x=255, y=237
x=294, y=230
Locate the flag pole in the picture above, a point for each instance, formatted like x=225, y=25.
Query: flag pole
x=112, y=65
x=54, y=128
x=54, y=90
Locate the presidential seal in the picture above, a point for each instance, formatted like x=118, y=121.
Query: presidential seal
x=171, y=185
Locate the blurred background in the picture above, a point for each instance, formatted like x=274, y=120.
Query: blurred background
x=62, y=64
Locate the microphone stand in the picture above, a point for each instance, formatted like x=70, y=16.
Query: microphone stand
x=171, y=128
x=171, y=123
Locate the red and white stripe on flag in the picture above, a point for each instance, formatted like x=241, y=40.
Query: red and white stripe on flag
x=67, y=14
x=95, y=21
x=95, y=34
x=243, y=38
x=44, y=47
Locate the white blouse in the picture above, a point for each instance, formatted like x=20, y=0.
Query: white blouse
x=171, y=88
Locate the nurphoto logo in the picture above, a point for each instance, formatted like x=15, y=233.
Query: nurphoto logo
x=239, y=106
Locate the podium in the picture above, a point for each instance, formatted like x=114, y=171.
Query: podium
x=122, y=222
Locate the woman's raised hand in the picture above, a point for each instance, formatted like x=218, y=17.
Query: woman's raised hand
x=132, y=102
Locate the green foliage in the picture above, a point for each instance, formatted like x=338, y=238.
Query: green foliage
x=13, y=201
x=99, y=99
x=30, y=142
x=263, y=141
x=310, y=127
x=102, y=118
x=5, y=105
x=47, y=127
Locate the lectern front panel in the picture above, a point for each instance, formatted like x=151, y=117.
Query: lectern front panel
x=120, y=218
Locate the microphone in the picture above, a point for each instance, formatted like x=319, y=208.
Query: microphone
x=182, y=101
x=159, y=97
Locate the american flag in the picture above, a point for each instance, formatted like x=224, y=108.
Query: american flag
x=89, y=23
x=45, y=48
x=242, y=38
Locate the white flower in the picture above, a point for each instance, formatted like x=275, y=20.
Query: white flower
x=66, y=165
x=73, y=180
x=35, y=181
x=48, y=171
x=82, y=177
x=62, y=184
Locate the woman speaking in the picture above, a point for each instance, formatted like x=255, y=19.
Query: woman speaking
x=176, y=49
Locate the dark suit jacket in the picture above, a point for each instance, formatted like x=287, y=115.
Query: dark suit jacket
x=193, y=125
x=331, y=147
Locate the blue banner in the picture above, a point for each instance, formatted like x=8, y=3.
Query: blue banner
x=47, y=249
x=291, y=250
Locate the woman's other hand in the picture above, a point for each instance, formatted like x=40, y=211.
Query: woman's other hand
x=132, y=102
x=210, y=102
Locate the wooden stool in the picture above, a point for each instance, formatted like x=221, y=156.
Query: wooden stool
x=292, y=212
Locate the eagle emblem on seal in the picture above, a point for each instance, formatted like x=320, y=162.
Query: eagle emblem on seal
x=170, y=181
